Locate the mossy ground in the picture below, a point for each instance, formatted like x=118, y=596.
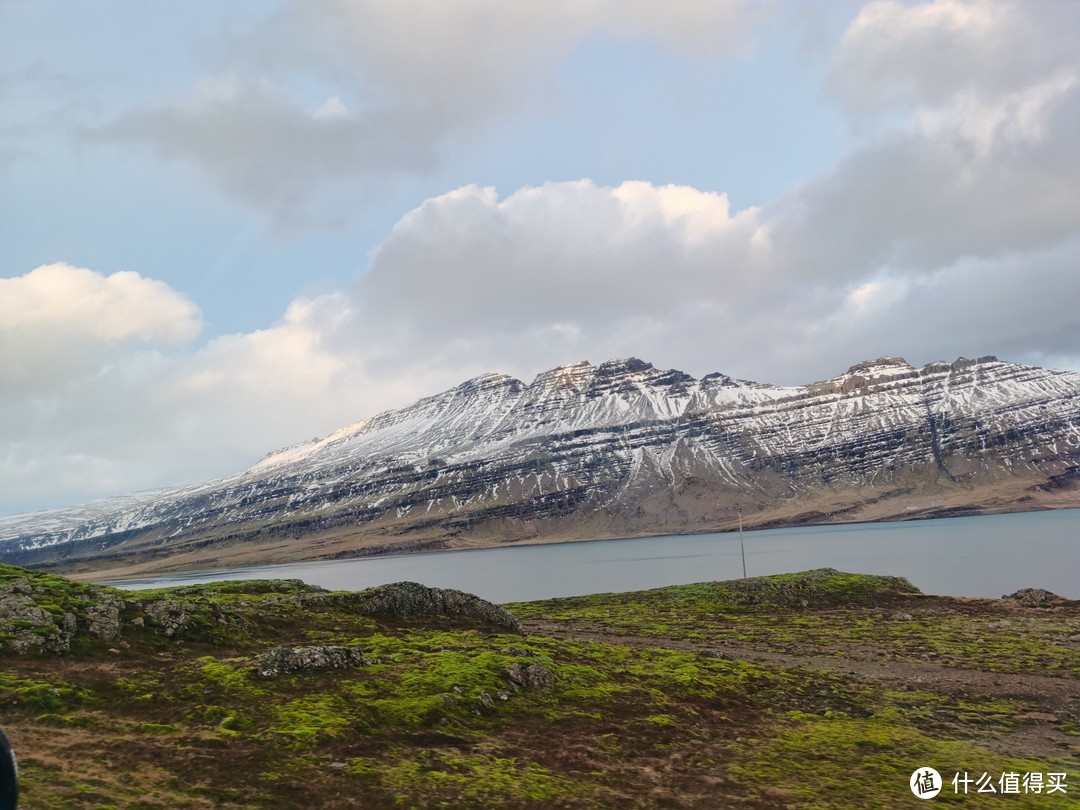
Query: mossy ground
x=434, y=720
x=830, y=613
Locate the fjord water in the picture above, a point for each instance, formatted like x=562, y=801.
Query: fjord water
x=973, y=556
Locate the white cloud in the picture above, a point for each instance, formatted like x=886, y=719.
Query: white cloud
x=104, y=393
x=465, y=59
x=872, y=298
x=953, y=227
x=975, y=160
x=61, y=320
x=560, y=270
x=276, y=361
x=332, y=109
x=85, y=304
x=466, y=283
x=1012, y=118
x=80, y=353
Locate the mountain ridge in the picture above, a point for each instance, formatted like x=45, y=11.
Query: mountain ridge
x=615, y=449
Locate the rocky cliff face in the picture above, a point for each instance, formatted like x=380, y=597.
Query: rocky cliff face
x=615, y=449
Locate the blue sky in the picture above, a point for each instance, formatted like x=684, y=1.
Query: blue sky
x=228, y=227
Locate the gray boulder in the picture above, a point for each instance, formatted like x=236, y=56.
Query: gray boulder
x=104, y=618
x=530, y=676
x=319, y=658
x=1033, y=597
x=28, y=626
x=169, y=616
x=411, y=599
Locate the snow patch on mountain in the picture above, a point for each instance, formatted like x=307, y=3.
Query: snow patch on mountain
x=582, y=438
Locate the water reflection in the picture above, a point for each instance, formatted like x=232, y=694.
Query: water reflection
x=980, y=556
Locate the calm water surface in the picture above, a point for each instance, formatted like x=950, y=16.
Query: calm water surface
x=977, y=556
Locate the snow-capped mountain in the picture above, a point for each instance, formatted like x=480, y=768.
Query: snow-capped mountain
x=610, y=450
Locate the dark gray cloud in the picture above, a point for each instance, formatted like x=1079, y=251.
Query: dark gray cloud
x=918, y=200
x=357, y=93
x=902, y=54
x=259, y=148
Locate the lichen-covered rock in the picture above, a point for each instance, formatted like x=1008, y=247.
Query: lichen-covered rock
x=171, y=617
x=104, y=618
x=411, y=599
x=27, y=626
x=17, y=587
x=319, y=658
x=310, y=600
x=530, y=676
x=1033, y=597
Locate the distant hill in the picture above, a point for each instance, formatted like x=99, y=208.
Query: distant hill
x=613, y=450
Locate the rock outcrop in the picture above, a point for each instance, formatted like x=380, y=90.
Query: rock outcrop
x=530, y=676
x=104, y=618
x=25, y=626
x=404, y=600
x=172, y=617
x=298, y=660
x=1033, y=597
x=817, y=588
x=46, y=613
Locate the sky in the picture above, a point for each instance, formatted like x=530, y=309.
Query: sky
x=229, y=227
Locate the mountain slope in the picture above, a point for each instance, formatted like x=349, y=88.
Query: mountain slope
x=610, y=450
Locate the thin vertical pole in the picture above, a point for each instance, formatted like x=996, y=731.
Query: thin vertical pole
x=742, y=548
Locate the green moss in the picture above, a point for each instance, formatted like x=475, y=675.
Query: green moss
x=434, y=720
x=67, y=720
x=235, y=675
x=660, y=719
x=844, y=615
x=311, y=719
x=61, y=586
x=823, y=587
x=141, y=687
x=843, y=761
x=159, y=728
x=53, y=695
x=431, y=778
x=233, y=725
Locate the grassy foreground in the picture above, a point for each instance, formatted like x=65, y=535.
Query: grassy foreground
x=820, y=689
